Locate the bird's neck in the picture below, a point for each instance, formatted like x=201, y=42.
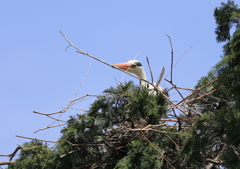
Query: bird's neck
x=142, y=75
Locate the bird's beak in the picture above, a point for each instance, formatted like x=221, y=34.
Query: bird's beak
x=123, y=66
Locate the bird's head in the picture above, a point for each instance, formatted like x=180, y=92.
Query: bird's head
x=132, y=66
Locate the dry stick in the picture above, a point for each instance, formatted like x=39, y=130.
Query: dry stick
x=84, y=78
x=185, y=88
x=202, y=96
x=150, y=69
x=173, y=87
x=6, y=162
x=160, y=77
x=66, y=108
x=12, y=154
x=62, y=111
x=182, y=56
x=56, y=119
x=216, y=159
x=84, y=53
x=36, y=139
x=173, y=141
x=182, y=97
x=168, y=120
x=171, y=55
x=148, y=128
x=87, y=145
x=193, y=93
x=179, y=121
x=49, y=126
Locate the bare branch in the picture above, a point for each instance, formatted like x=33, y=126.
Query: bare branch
x=48, y=127
x=36, y=139
x=66, y=108
x=171, y=56
x=84, y=53
x=193, y=93
x=6, y=162
x=160, y=77
x=150, y=69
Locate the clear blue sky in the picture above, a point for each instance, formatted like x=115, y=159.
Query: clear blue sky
x=37, y=74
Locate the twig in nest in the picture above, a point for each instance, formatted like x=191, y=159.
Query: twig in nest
x=193, y=93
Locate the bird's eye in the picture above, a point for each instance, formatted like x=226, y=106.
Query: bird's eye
x=138, y=64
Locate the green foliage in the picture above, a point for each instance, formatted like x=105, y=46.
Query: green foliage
x=142, y=155
x=226, y=16
x=106, y=136
x=100, y=138
x=216, y=133
x=35, y=155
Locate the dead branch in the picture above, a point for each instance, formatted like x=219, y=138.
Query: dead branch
x=202, y=96
x=48, y=127
x=168, y=120
x=160, y=77
x=171, y=56
x=6, y=162
x=150, y=127
x=84, y=53
x=193, y=93
x=183, y=97
x=150, y=69
x=185, y=88
x=216, y=159
x=36, y=139
x=66, y=108
x=12, y=154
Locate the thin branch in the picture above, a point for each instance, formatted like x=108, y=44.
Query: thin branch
x=160, y=77
x=6, y=162
x=183, y=97
x=36, y=139
x=202, y=96
x=216, y=159
x=150, y=69
x=183, y=55
x=66, y=108
x=168, y=120
x=48, y=127
x=12, y=154
x=84, y=53
x=193, y=93
x=171, y=56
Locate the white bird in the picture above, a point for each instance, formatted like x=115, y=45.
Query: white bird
x=135, y=67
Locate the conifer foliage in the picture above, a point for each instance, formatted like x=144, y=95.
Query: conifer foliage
x=123, y=128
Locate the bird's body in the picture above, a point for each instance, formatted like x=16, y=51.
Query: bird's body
x=135, y=67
